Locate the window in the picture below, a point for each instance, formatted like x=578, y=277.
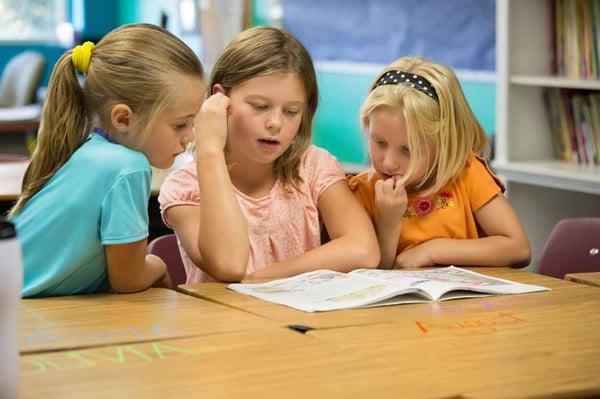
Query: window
x=31, y=19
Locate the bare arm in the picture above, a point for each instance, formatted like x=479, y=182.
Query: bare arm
x=185, y=221
x=214, y=235
x=353, y=242
x=506, y=243
x=131, y=270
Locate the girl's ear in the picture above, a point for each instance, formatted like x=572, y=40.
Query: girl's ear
x=121, y=117
x=217, y=88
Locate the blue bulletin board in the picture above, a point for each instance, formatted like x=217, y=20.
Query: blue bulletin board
x=458, y=33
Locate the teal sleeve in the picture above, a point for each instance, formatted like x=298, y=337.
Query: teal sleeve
x=124, y=216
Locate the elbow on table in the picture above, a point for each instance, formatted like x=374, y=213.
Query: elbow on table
x=521, y=255
x=125, y=287
x=228, y=270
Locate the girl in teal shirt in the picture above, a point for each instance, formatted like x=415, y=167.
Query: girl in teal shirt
x=82, y=217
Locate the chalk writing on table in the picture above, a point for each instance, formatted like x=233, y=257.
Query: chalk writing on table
x=481, y=324
x=120, y=355
x=44, y=335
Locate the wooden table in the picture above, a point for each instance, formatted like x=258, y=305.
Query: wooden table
x=270, y=363
x=11, y=178
x=591, y=278
x=561, y=289
x=69, y=322
x=533, y=345
x=551, y=350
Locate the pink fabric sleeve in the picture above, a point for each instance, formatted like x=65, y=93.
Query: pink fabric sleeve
x=179, y=188
x=320, y=170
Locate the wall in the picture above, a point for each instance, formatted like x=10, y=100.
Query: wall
x=342, y=90
x=458, y=33
x=379, y=31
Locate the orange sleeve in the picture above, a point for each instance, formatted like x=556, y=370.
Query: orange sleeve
x=481, y=183
x=364, y=191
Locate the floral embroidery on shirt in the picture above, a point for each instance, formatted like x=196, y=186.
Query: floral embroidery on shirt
x=425, y=205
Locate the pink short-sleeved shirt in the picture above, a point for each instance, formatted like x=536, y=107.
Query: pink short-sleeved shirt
x=281, y=225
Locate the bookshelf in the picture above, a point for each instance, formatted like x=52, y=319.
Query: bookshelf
x=542, y=189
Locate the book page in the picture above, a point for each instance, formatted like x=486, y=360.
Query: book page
x=438, y=283
x=323, y=290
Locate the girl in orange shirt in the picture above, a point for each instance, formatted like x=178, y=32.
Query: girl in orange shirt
x=431, y=198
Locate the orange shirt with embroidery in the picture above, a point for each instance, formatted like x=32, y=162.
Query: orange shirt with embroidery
x=447, y=214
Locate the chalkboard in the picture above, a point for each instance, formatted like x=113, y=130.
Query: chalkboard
x=458, y=33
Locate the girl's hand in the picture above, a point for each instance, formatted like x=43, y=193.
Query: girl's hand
x=419, y=256
x=390, y=202
x=210, y=124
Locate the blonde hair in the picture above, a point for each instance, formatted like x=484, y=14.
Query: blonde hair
x=447, y=127
x=264, y=51
x=137, y=65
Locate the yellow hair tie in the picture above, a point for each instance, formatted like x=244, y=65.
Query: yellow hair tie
x=82, y=55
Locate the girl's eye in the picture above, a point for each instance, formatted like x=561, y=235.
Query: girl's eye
x=292, y=112
x=180, y=126
x=405, y=150
x=259, y=107
x=380, y=143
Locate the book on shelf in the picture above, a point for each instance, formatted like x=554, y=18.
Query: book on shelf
x=575, y=32
x=574, y=118
x=325, y=290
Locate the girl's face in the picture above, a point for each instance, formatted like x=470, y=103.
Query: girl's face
x=172, y=130
x=265, y=113
x=389, y=146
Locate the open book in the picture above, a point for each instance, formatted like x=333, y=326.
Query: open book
x=324, y=290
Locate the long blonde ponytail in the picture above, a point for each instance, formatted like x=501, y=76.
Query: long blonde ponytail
x=137, y=65
x=64, y=127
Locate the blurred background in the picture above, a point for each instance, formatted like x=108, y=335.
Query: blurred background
x=350, y=41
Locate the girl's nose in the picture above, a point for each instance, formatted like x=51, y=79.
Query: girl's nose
x=390, y=163
x=274, y=120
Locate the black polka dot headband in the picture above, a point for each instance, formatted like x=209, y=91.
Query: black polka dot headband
x=405, y=78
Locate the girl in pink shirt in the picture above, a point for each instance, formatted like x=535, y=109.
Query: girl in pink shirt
x=249, y=207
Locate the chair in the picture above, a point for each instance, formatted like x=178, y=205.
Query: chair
x=165, y=247
x=573, y=246
x=21, y=78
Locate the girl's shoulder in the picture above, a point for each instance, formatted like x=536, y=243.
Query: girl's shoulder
x=363, y=181
x=184, y=178
x=318, y=170
x=108, y=160
x=319, y=161
x=477, y=170
x=185, y=171
x=314, y=155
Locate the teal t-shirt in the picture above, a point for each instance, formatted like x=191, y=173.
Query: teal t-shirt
x=98, y=197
